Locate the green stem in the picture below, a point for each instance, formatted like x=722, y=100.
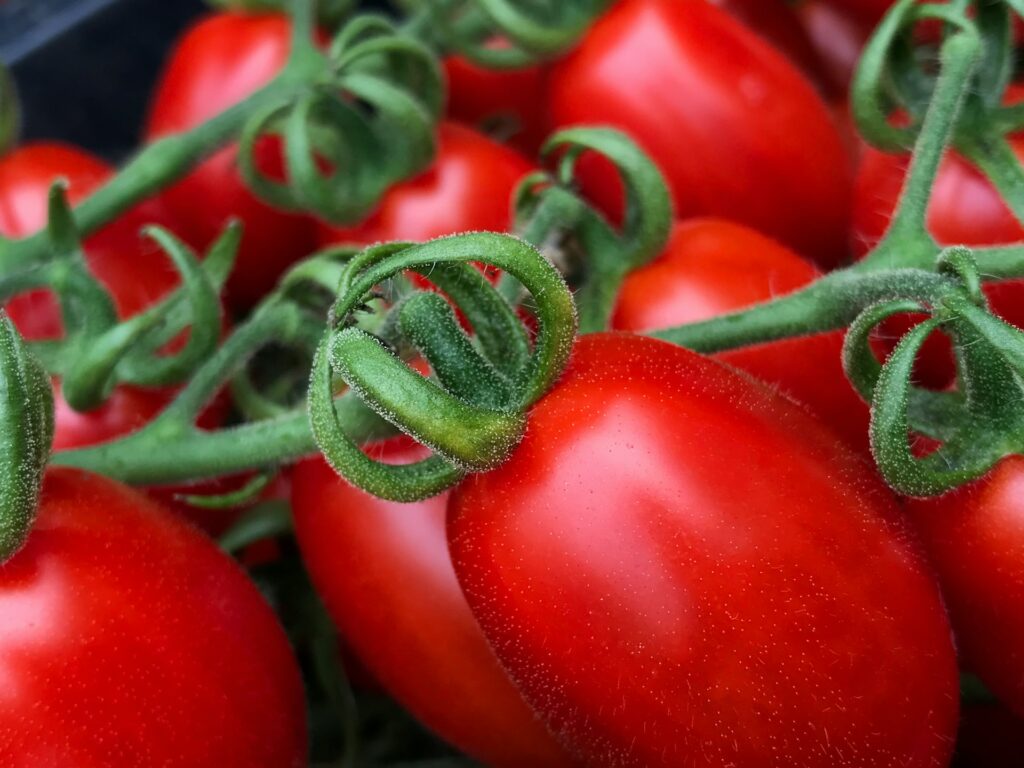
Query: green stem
x=909, y=224
x=832, y=302
x=148, y=459
x=159, y=164
x=1000, y=262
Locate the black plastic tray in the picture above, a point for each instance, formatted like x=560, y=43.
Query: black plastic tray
x=84, y=68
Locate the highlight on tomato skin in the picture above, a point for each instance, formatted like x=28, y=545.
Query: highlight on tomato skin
x=667, y=596
x=750, y=141
x=384, y=573
x=129, y=639
x=711, y=267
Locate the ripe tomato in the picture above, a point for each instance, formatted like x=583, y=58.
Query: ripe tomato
x=975, y=537
x=132, y=269
x=712, y=267
x=384, y=572
x=507, y=103
x=128, y=639
x=678, y=567
x=468, y=187
x=221, y=60
x=736, y=129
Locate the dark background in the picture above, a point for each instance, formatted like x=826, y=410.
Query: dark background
x=84, y=68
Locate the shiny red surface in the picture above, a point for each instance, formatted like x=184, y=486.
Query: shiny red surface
x=221, y=60
x=975, y=538
x=384, y=573
x=737, y=130
x=129, y=639
x=711, y=267
x=679, y=568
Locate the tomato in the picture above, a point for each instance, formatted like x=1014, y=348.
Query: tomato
x=468, y=187
x=712, y=267
x=128, y=639
x=509, y=103
x=221, y=60
x=737, y=130
x=384, y=572
x=975, y=538
x=678, y=567
x=132, y=269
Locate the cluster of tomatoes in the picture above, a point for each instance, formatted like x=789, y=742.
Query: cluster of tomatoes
x=677, y=566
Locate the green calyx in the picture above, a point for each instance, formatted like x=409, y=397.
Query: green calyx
x=26, y=422
x=366, y=121
x=502, y=34
x=470, y=421
x=595, y=254
x=976, y=425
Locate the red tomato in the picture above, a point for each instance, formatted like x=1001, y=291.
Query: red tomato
x=510, y=102
x=220, y=61
x=384, y=572
x=711, y=267
x=128, y=639
x=975, y=537
x=132, y=269
x=736, y=129
x=469, y=187
x=678, y=567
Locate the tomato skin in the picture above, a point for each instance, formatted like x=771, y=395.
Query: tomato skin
x=505, y=99
x=468, y=188
x=679, y=568
x=384, y=573
x=221, y=60
x=711, y=267
x=746, y=139
x=129, y=639
x=975, y=538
